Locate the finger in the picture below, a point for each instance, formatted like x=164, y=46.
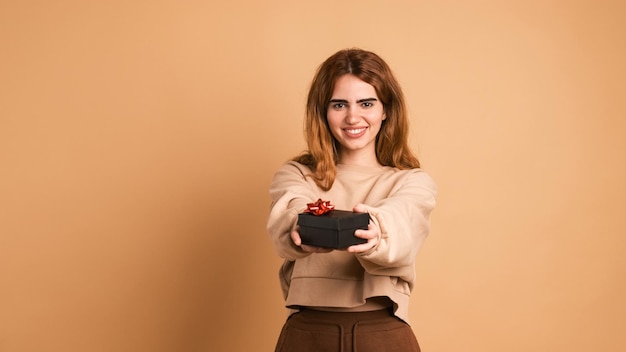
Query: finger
x=295, y=236
x=366, y=234
x=359, y=208
x=358, y=248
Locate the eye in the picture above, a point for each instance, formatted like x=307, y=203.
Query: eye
x=338, y=106
x=367, y=104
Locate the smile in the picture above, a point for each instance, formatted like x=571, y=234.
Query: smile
x=355, y=131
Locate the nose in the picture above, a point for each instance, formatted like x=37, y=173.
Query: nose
x=352, y=116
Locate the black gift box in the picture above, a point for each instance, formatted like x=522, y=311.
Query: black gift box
x=334, y=229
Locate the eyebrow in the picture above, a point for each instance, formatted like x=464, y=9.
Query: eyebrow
x=358, y=101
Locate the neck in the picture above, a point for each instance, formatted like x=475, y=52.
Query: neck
x=359, y=159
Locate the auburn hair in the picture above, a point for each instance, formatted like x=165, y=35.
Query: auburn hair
x=392, y=147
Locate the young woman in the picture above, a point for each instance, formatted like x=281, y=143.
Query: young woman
x=358, y=158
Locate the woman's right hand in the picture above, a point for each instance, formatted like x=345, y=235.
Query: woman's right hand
x=295, y=237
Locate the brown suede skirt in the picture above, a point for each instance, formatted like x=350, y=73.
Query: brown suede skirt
x=321, y=331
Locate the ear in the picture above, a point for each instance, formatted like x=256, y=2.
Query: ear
x=384, y=116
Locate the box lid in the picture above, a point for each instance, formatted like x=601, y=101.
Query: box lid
x=336, y=219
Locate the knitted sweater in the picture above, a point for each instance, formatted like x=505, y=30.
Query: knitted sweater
x=398, y=201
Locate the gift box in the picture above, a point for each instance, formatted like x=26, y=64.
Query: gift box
x=333, y=229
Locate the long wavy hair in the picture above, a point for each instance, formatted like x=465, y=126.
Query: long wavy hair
x=392, y=147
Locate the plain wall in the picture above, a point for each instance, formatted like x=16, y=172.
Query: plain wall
x=138, y=140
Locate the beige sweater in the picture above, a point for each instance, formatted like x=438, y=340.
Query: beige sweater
x=399, y=202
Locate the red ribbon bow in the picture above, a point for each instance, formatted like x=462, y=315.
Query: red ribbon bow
x=320, y=207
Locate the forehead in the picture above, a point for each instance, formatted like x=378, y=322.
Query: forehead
x=351, y=86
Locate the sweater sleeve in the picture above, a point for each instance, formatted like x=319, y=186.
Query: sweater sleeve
x=289, y=193
x=404, y=221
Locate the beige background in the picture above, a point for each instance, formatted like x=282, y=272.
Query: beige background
x=138, y=138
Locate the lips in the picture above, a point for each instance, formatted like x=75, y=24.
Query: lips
x=355, y=132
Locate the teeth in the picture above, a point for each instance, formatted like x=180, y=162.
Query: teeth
x=356, y=131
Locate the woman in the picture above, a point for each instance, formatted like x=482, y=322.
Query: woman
x=359, y=159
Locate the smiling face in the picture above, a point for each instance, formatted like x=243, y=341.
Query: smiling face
x=355, y=115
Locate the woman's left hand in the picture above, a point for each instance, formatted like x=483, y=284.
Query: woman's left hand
x=372, y=234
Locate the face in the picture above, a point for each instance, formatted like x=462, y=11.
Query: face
x=355, y=115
